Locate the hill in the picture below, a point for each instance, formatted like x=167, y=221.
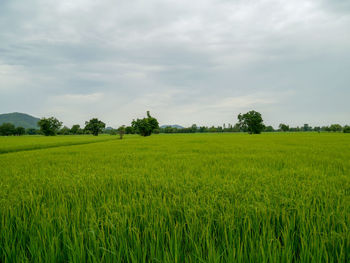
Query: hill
x=172, y=126
x=19, y=119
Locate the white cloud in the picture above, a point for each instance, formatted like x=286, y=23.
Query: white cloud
x=79, y=98
x=197, y=61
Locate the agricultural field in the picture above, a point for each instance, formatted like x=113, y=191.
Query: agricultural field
x=25, y=143
x=274, y=197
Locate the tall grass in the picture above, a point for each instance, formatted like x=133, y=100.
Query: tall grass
x=27, y=143
x=179, y=198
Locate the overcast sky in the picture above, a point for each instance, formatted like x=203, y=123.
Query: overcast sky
x=186, y=61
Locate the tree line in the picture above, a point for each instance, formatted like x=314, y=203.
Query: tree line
x=236, y=128
x=250, y=122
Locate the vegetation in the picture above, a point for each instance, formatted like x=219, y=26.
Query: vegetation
x=284, y=127
x=19, y=120
x=121, y=131
x=179, y=198
x=7, y=129
x=19, y=131
x=76, y=130
x=346, y=129
x=49, y=126
x=336, y=128
x=145, y=126
x=251, y=122
x=95, y=126
x=28, y=143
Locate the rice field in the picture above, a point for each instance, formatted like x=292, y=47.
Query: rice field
x=277, y=197
x=26, y=143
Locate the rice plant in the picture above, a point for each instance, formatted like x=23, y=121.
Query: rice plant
x=177, y=198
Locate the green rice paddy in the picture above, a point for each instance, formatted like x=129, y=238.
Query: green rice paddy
x=277, y=197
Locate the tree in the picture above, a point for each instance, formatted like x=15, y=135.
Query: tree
x=121, y=131
x=284, y=127
x=64, y=131
x=49, y=126
x=129, y=130
x=251, y=122
x=194, y=128
x=145, y=126
x=203, y=129
x=269, y=129
x=32, y=131
x=306, y=127
x=7, y=129
x=76, y=129
x=346, y=129
x=112, y=132
x=336, y=128
x=19, y=131
x=317, y=129
x=95, y=126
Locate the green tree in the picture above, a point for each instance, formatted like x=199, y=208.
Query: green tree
x=95, y=126
x=317, y=128
x=32, y=131
x=203, y=129
x=306, y=127
x=76, y=129
x=212, y=129
x=129, y=130
x=7, y=129
x=251, y=122
x=145, y=126
x=194, y=128
x=121, y=131
x=269, y=129
x=19, y=131
x=284, y=127
x=49, y=126
x=346, y=129
x=335, y=128
x=64, y=131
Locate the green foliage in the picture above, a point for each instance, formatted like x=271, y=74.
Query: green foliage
x=19, y=119
x=95, y=126
x=129, y=130
x=19, y=131
x=194, y=128
x=269, y=129
x=179, y=198
x=64, y=131
x=306, y=127
x=251, y=122
x=346, y=129
x=121, y=131
x=335, y=128
x=76, y=129
x=7, y=129
x=284, y=127
x=49, y=126
x=32, y=131
x=145, y=126
x=112, y=132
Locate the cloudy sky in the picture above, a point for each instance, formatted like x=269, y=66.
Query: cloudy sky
x=199, y=61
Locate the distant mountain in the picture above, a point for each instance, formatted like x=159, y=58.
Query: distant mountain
x=172, y=126
x=19, y=119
